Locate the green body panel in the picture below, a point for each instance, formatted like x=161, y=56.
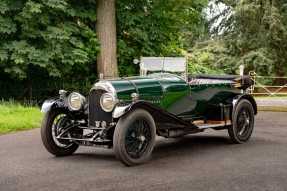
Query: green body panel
x=148, y=89
x=205, y=96
x=174, y=95
x=175, y=91
x=163, y=90
x=124, y=89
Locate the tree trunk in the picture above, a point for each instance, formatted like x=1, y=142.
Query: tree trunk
x=106, y=31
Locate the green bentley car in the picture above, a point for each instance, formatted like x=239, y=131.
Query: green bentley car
x=127, y=114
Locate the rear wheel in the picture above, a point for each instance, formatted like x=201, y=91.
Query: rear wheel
x=54, y=123
x=134, y=137
x=242, y=122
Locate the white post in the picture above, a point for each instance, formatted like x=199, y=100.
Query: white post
x=252, y=75
x=241, y=71
x=101, y=76
x=186, y=69
x=141, y=66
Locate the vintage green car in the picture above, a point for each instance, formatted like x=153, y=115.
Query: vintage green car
x=127, y=114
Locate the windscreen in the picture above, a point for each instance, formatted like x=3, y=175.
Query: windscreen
x=175, y=65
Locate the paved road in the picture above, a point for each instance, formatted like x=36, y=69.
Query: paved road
x=198, y=162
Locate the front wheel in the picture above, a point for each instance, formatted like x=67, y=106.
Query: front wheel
x=134, y=137
x=242, y=122
x=54, y=123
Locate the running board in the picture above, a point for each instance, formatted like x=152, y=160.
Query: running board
x=211, y=124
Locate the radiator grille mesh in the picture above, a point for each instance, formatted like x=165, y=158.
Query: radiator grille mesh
x=95, y=111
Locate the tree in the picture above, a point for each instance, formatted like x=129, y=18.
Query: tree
x=144, y=28
x=59, y=40
x=255, y=34
x=106, y=31
x=54, y=37
x=156, y=28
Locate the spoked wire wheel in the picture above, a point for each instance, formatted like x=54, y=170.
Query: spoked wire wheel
x=134, y=137
x=242, y=122
x=54, y=125
x=137, y=138
x=60, y=126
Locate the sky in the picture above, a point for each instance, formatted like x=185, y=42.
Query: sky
x=213, y=10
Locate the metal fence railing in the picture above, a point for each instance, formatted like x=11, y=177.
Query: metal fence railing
x=268, y=85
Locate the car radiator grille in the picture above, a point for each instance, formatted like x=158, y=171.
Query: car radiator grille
x=95, y=111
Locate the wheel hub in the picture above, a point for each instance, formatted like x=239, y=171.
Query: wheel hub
x=141, y=138
x=243, y=122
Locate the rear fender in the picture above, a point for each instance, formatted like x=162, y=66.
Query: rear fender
x=248, y=97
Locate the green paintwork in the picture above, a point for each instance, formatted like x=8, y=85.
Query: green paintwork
x=162, y=90
x=173, y=94
x=149, y=89
x=205, y=95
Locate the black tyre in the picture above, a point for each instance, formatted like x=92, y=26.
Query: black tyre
x=134, y=137
x=242, y=122
x=53, y=124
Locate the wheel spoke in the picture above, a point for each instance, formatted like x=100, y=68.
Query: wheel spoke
x=61, y=126
x=138, y=144
x=243, y=122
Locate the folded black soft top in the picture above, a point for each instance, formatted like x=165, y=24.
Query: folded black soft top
x=245, y=80
x=218, y=77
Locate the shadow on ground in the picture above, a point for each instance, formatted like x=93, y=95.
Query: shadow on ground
x=165, y=148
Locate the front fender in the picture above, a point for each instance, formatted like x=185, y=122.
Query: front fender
x=120, y=111
x=158, y=114
x=48, y=104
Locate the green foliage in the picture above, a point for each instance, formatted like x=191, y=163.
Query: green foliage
x=7, y=26
x=210, y=57
x=155, y=28
x=256, y=35
x=44, y=42
x=55, y=35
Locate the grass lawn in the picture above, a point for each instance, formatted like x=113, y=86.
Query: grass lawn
x=15, y=117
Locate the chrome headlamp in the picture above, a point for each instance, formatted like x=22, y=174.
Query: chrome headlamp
x=76, y=101
x=108, y=102
x=109, y=99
